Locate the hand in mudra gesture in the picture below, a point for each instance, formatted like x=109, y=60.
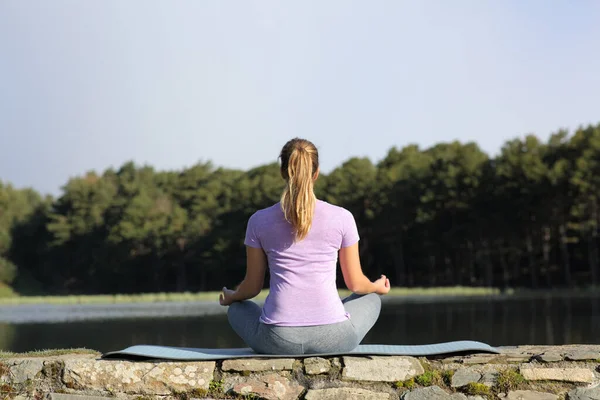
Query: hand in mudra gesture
x=382, y=284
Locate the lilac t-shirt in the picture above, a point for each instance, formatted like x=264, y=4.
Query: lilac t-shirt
x=303, y=290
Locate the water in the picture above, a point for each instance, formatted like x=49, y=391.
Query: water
x=497, y=321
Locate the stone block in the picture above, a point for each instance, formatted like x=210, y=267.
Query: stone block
x=530, y=395
x=432, y=393
x=68, y=396
x=489, y=378
x=576, y=375
x=22, y=370
x=381, y=369
x=316, y=365
x=258, y=365
x=548, y=357
x=270, y=387
x=479, y=359
x=345, y=394
x=584, y=393
x=464, y=376
x=582, y=355
x=138, y=377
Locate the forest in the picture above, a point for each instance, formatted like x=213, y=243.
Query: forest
x=446, y=215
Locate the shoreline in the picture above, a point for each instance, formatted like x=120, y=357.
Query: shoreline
x=408, y=294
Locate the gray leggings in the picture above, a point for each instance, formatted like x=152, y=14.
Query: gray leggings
x=295, y=340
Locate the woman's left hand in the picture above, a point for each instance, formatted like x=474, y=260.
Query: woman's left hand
x=226, y=297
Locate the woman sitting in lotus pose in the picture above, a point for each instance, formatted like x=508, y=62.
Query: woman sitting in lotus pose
x=299, y=240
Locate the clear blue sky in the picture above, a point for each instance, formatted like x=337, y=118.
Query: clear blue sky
x=86, y=85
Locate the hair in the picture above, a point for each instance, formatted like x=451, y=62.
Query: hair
x=299, y=166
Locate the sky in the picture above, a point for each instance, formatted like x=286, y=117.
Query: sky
x=89, y=85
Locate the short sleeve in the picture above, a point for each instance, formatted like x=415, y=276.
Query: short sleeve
x=349, y=230
x=252, y=239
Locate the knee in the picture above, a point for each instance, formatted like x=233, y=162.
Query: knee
x=242, y=310
x=233, y=310
x=375, y=301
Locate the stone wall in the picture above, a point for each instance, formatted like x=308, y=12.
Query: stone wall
x=518, y=373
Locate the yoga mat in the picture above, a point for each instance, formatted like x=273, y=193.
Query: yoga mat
x=189, y=354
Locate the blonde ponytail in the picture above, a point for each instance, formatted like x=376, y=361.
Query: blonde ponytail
x=299, y=166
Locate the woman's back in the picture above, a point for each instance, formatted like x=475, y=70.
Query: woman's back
x=303, y=273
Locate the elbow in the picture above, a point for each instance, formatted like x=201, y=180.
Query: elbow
x=255, y=291
x=359, y=286
x=354, y=287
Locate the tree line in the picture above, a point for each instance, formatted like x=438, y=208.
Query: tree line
x=444, y=215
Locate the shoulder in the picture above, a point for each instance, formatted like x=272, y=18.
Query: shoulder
x=265, y=214
x=333, y=210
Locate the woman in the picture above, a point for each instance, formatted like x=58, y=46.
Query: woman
x=299, y=240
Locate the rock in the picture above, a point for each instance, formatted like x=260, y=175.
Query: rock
x=464, y=376
x=316, y=365
x=583, y=375
x=548, y=357
x=257, y=365
x=518, y=358
x=381, y=369
x=530, y=395
x=270, y=387
x=584, y=393
x=451, y=360
x=476, y=398
x=432, y=393
x=582, y=355
x=479, y=359
x=67, y=396
x=518, y=354
x=137, y=377
x=25, y=369
x=336, y=362
x=489, y=378
x=345, y=394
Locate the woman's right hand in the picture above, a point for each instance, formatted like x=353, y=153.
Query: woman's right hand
x=382, y=285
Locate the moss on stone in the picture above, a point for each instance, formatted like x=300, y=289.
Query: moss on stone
x=447, y=377
x=216, y=387
x=407, y=384
x=509, y=379
x=477, y=389
x=432, y=378
x=426, y=364
x=427, y=378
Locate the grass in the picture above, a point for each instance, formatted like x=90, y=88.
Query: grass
x=477, y=389
x=214, y=296
x=47, y=353
x=509, y=380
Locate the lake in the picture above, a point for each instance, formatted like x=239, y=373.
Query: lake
x=497, y=321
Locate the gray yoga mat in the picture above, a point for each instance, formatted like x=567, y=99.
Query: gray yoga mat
x=189, y=354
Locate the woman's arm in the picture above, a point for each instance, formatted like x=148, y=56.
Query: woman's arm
x=256, y=266
x=354, y=278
